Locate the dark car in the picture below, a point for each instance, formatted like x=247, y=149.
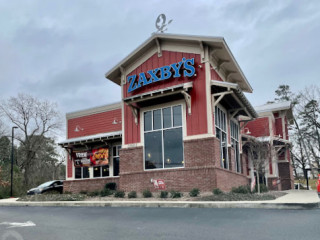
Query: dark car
x=52, y=186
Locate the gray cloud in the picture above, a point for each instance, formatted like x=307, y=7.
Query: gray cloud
x=61, y=49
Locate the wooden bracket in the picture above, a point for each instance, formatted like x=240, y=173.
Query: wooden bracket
x=123, y=75
x=159, y=47
x=134, y=112
x=187, y=98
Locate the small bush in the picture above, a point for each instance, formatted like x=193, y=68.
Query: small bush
x=163, y=194
x=93, y=194
x=147, y=194
x=241, y=189
x=217, y=191
x=84, y=192
x=67, y=192
x=132, y=194
x=119, y=194
x=194, y=192
x=111, y=186
x=106, y=192
x=176, y=194
x=263, y=188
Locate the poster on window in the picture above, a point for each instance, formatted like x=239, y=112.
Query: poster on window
x=92, y=157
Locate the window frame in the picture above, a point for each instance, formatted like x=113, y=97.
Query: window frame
x=183, y=129
x=117, y=147
x=223, y=129
x=237, y=161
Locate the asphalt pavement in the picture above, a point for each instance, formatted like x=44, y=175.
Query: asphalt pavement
x=55, y=223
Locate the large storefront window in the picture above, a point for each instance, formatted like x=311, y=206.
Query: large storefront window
x=163, y=138
x=221, y=133
x=234, y=129
x=116, y=163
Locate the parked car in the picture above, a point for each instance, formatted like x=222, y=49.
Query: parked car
x=51, y=186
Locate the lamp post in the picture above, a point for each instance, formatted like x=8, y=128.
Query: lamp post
x=12, y=161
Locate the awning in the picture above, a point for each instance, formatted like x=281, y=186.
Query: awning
x=231, y=94
x=102, y=137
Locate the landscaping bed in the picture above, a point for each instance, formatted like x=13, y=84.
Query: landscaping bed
x=205, y=196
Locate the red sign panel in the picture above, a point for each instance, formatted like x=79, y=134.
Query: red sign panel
x=159, y=184
x=92, y=157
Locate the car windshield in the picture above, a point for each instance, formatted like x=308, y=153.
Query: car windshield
x=46, y=184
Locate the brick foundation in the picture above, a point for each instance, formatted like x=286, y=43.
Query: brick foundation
x=272, y=187
x=90, y=185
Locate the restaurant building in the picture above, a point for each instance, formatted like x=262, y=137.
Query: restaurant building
x=182, y=119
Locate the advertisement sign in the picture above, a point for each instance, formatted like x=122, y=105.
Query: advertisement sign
x=185, y=68
x=159, y=184
x=92, y=157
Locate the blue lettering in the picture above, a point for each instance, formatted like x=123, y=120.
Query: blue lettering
x=131, y=80
x=165, y=72
x=143, y=80
x=176, y=69
x=153, y=75
x=189, y=68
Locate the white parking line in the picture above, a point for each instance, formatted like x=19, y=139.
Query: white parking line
x=16, y=225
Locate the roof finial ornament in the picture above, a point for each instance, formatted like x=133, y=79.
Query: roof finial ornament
x=161, y=23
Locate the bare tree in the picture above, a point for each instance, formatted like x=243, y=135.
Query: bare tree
x=259, y=153
x=36, y=120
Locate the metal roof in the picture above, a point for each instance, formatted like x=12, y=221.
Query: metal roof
x=273, y=107
x=92, y=138
x=238, y=92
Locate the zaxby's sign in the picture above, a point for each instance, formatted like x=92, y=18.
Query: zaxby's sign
x=184, y=67
x=93, y=157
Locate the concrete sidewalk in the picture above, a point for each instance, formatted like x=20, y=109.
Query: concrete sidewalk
x=294, y=199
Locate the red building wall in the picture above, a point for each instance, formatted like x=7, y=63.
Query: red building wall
x=197, y=121
x=95, y=124
x=259, y=127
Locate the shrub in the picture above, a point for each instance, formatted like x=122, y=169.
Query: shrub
x=132, y=194
x=119, y=194
x=245, y=189
x=176, y=194
x=194, y=192
x=67, y=192
x=93, y=194
x=163, y=194
x=111, y=186
x=106, y=192
x=84, y=192
x=147, y=194
x=263, y=188
x=217, y=191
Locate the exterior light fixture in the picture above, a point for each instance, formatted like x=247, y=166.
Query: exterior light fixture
x=78, y=129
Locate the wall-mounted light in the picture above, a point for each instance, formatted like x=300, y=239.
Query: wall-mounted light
x=78, y=129
x=247, y=131
x=115, y=121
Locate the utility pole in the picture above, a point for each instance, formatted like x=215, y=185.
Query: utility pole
x=12, y=161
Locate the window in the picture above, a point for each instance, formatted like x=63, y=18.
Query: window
x=163, y=146
x=221, y=134
x=81, y=172
x=101, y=171
x=234, y=129
x=116, y=158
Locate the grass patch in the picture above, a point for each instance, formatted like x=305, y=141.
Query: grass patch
x=52, y=197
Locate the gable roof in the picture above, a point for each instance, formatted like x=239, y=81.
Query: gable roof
x=275, y=107
x=222, y=53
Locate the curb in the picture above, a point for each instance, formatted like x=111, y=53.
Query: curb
x=156, y=204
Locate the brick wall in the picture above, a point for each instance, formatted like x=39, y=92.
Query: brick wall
x=90, y=185
x=202, y=152
x=272, y=187
x=226, y=179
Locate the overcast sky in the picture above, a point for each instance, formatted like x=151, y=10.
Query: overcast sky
x=60, y=50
